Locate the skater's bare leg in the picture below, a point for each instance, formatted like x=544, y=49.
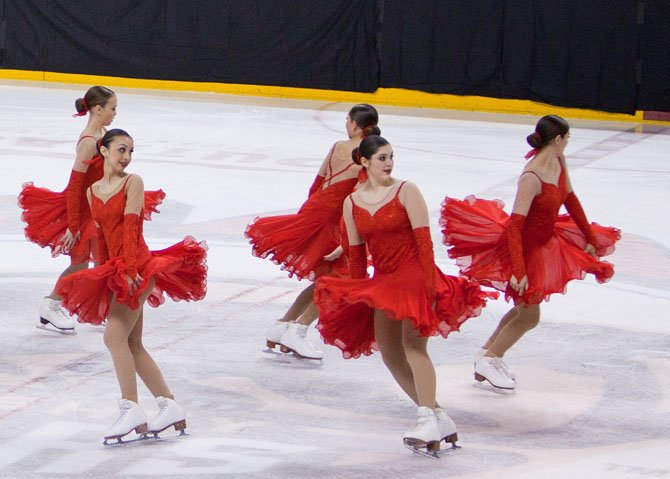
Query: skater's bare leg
x=301, y=303
x=120, y=323
x=389, y=337
x=146, y=367
x=423, y=371
x=77, y=263
x=525, y=320
x=511, y=314
x=310, y=315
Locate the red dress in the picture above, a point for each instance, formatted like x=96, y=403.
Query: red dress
x=298, y=242
x=553, y=246
x=45, y=211
x=179, y=270
x=346, y=306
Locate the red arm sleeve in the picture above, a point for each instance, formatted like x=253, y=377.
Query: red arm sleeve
x=131, y=228
x=515, y=244
x=576, y=211
x=358, y=261
x=424, y=244
x=316, y=186
x=73, y=199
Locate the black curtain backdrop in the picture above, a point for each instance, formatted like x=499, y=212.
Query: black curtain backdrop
x=314, y=44
x=569, y=53
x=609, y=55
x=655, y=57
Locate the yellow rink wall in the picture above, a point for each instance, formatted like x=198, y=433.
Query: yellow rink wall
x=383, y=96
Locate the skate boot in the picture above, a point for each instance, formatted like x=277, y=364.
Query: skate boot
x=295, y=340
x=130, y=417
x=273, y=336
x=54, y=318
x=491, y=373
x=169, y=414
x=447, y=428
x=425, y=437
x=480, y=354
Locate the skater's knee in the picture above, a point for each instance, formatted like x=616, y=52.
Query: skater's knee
x=136, y=346
x=529, y=317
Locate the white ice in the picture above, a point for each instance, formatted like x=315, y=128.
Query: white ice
x=593, y=395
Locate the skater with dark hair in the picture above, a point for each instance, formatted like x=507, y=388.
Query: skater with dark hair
x=406, y=301
x=307, y=244
x=531, y=254
x=128, y=275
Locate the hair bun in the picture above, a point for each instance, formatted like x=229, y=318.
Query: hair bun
x=356, y=156
x=534, y=140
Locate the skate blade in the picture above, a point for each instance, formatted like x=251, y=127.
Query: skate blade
x=160, y=436
x=287, y=351
x=487, y=386
x=431, y=450
x=51, y=328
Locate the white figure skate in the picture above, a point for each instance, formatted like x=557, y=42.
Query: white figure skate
x=480, y=354
x=295, y=340
x=273, y=336
x=491, y=374
x=131, y=417
x=447, y=429
x=425, y=437
x=170, y=414
x=54, y=318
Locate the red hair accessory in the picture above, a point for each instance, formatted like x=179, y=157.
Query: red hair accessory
x=82, y=113
x=534, y=151
x=358, y=156
x=531, y=153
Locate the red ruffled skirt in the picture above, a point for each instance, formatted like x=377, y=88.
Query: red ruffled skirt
x=45, y=215
x=476, y=232
x=346, y=306
x=180, y=271
x=298, y=242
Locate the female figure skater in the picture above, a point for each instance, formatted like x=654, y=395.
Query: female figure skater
x=302, y=243
x=407, y=300
x=128, y=275
x=62, y=221
x=530, y=255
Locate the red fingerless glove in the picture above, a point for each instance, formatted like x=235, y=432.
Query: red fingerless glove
x=103, y=251
x=515, y=244
x=576, y=211
x=131, y=234
x=73, y=199
x=316, y=186
x=358, y=261
x=424, y=244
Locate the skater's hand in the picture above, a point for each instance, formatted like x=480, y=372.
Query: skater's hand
x=69, y=240
x=336, y=253
x=519, y=286
x=134, y=283
x=590, y=249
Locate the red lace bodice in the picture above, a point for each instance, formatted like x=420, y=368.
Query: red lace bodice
x=109, y=217
x=541, y=218
x=388, y=234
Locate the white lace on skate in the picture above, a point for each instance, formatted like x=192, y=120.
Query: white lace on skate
x=505, y=369
x=295, y=339
x=491, y=370
x=169, y=414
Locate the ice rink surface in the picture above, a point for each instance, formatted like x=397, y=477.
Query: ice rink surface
x=593, y=394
